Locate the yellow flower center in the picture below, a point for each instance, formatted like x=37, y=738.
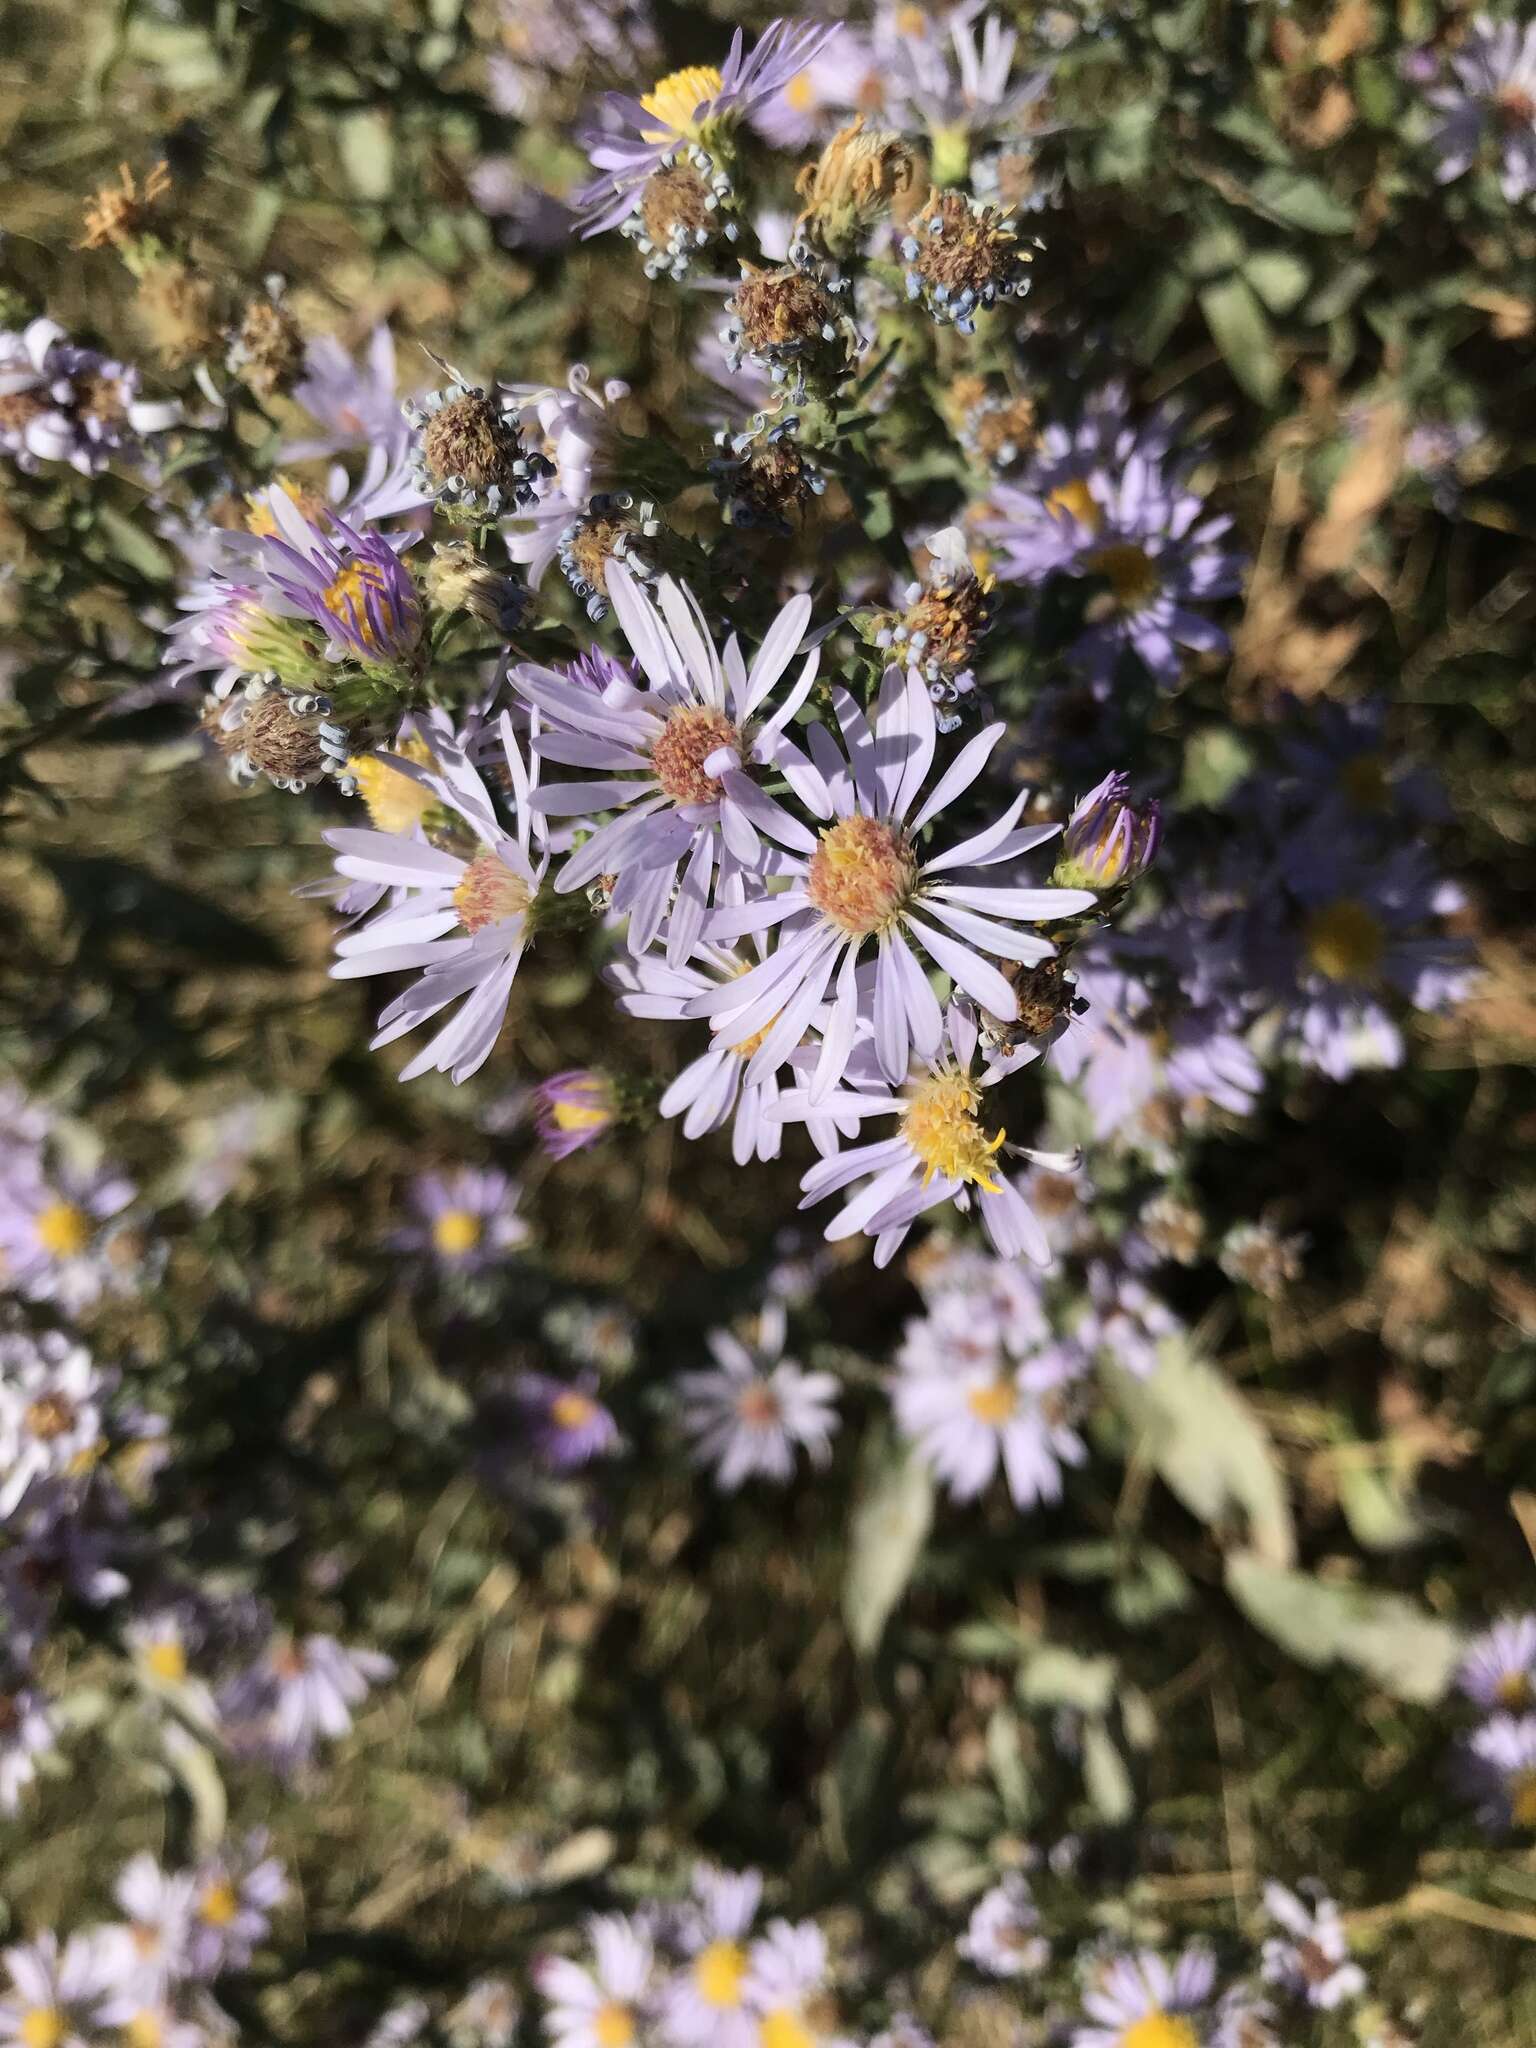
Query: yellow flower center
x=614, y=2026
x=718, y=1972
x=579, y=1116
x=1075, y=498
x=939, y=1123
x=259, y=518
x=801, y=92
x=64, y=1229
x=50, y=1416
x=572, y=1411
x=1159, y=2030
x=1522, y=1799
x=912, y=21
x=41, y=2028
x=674, y=99
x=456, y=1232
x=1344, y=940
x=346, y=599
x=1128, y=571
x=758, y=1405
x=144, y=2031
x=1514, y=1691
x=993, y=1404
x=218, y=1904
x=1365, y=782
x=167, y=1661
x=784, y=2029
x=861, y=874
x=489, y=893
x=395, y=803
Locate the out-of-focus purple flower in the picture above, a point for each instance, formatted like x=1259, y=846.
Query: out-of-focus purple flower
x=298, y=1693
x=567, y=1425
x=1492, y=101
x=1499, y=1766
x=466, y=1219
x=1499, y=1668
x=145, y=1954
x=787, y=1986
x=1309, y=1959
x=601, y=2006
x=1003, y=1936
x=968, y=1413
x=50, y=1412
x=61, y=402
x=1131, y=1992
x=26, y=1733
x=543, y=41
x=1126, y=1322
x=747, y=1417
x=234, y=1893
x=573, y=1110
x=56, y=1236
x=1109, y=839
x=355, y=404
x=56, y=1993
x=705, y=2002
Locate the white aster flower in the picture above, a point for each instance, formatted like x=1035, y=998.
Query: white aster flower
x=602, y=2006
x=747, y=1417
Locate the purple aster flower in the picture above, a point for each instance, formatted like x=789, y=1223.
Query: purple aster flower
x=55, y=1996
x=1492, y=101
x=1340, y=771
x=546, y=40
x=1126, y=1322
x=234, y=1892
x=705, y=2002
x=1499, y=1668
x=787, y=1986
x=1109, y=841
x=600, y=2006
x=567, y=1425
x=573, y=1110
x=942, y=1152
x=297, y=1694
x=676, y=755
x=963, y=83
x=1003, y=1936
x=350, y=583
x=1137, y=527
x=579, y=441
x=56, y=1236
x=811, y=101
x=862, y=879
x=467, y=1219
x=50, y=1412
x=967, y=1415
x=747, y=1417
x=998, y=1301
x=354, y=404
x=634, y=137
x=1131, y=1992
x=1499, y=1766
x=148, y=1952
x=1309, y=1958
x=465, y=922
x=61, y=402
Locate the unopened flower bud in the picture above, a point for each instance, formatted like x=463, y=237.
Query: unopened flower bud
x=1109, y=840
x=573, y=1110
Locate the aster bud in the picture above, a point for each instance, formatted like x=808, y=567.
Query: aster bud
x=573, y=1110
x=459, y=579
x=1109, y=840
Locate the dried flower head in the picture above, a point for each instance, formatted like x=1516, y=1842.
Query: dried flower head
x=471, y=452
x=615, y=528
x=763, y=477
x=687, y=205
x=962, y=255
x=862, y=175
x=179, y=307
x=793, y=323
x=458, y=578
x=996, y=429
x=1256, y=1255
x=289, y=738
x=945, y=615
x=115, y=216
x=266, y=351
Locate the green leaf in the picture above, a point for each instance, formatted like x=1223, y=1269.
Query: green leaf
x=1383, y=1635
x=1105, y=1777
x=1055, y=1676
x=1010, y=1773
x=133, y=544
x=1158, y=312
x=1378, y=1506
x=1279, y=276
x=1297, y=201
x=1208, y=1447
x=367, y=153
x=890, y=1526
x=1242, y=332
x=1215, y=761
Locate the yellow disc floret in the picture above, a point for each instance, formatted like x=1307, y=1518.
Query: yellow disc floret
x=940, y=1123
x=1345, y=940
x=676, y=99
x=1159, y=2030
x=861, y=875
x=718, y=1972
x=1129, y=572
x=782, y=2028
x=166, y=1661
x=457, y=1232
x=993, y=1403
x=614, y=2026
x=64, y=1229
x=1074, y=497
x=395, y=803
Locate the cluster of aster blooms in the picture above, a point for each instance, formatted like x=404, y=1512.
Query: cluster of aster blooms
x=1498, y=1758
x=150, y=1978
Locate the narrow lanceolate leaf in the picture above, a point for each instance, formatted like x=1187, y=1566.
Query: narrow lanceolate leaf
x=1210, y=1449
x=1393, y=1640
x=890, y=1526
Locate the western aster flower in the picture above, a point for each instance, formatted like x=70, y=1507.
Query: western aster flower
x=1499, y=1668
x=861, y=883
x=465, y=922
x=1140, y=2002
x=705, y=2002
x=942, y=1152
x=1309, y=1958
x=633, y=138
x=149, y=1950
x=747, y=1417
x=466, y=1219
x=786, y=1987
x=1003, y=1936
x=1499, y=1763
x=966, y=1418
x=573, y=1110
x=56, y=1237
x=1493, y=100
x=568, y=1425
x=234, y=1892
x=602, y=2006
x=56, y=1993
x=50, y=1412
x=298, y=1693
x=26, y=1733
x=61, y=402
x=677, y=754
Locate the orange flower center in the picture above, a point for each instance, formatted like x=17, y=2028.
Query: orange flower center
x=861, y=875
